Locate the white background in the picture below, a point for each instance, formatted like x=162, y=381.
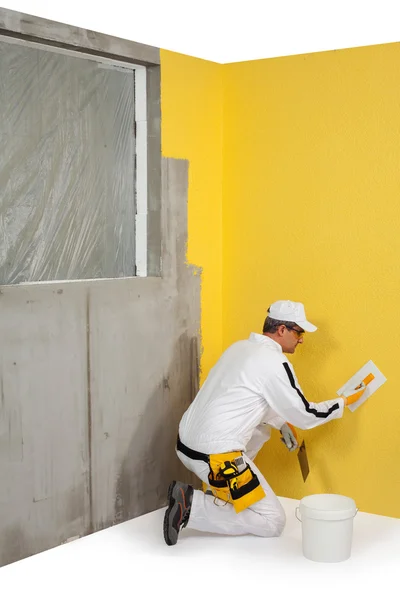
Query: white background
x=230, y=30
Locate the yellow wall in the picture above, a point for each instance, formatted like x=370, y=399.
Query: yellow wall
x=311, y=212
x=191, y=104
x=301, y=200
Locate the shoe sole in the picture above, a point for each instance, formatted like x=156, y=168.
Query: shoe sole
x=169, y=514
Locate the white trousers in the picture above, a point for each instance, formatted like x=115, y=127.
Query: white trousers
x=264, y=518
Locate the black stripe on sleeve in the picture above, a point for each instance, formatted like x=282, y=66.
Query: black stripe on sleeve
x=313, y=411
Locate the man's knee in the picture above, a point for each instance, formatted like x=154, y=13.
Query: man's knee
x=274, y=524
x=280, y=523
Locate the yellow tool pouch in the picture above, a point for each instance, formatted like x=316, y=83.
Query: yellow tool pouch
x=242, y=489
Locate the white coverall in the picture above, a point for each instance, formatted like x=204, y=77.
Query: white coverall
x=251, y=388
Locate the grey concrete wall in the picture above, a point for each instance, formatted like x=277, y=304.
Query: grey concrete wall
x=94, y=377
x=61, y=35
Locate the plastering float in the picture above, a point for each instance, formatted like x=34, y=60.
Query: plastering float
x=372, y=383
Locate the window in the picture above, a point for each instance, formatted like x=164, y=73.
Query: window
x=73, y=181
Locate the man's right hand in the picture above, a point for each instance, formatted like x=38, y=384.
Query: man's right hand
x=351, y=396
x=354, y=395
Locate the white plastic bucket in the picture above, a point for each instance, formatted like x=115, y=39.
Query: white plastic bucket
x=327, y=527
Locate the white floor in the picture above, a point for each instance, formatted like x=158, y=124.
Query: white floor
x=132, y=561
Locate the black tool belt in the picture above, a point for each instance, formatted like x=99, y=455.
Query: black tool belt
x=193, y=454
x=241, y=488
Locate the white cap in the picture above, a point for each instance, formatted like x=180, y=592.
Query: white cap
x=285, y=310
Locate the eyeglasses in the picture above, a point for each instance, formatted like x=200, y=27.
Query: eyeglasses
x=297, y=331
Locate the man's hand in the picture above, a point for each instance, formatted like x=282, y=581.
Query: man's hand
x=289, y=437
x=352, y=396
x=355, y=394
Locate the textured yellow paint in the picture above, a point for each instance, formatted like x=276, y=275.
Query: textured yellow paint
x=191, y=106
x=311, y=212
x=309, y=176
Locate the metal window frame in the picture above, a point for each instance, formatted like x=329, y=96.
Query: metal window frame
x=144, y=60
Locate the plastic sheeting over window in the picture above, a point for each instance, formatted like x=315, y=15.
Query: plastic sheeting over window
x=67, y=167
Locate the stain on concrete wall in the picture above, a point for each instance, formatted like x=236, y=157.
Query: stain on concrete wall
x=94, y=377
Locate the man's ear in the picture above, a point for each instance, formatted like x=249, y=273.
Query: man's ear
x=281, y=330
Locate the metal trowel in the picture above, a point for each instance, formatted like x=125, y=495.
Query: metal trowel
x=303, y=461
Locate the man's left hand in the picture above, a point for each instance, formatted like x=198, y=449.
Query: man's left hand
x=289, y=437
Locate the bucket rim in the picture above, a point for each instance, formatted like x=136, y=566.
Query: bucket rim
x=328, y=514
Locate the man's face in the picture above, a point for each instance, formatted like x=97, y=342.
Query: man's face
x=291, y=337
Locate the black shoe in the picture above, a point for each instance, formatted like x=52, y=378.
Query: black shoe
x=180, y=497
